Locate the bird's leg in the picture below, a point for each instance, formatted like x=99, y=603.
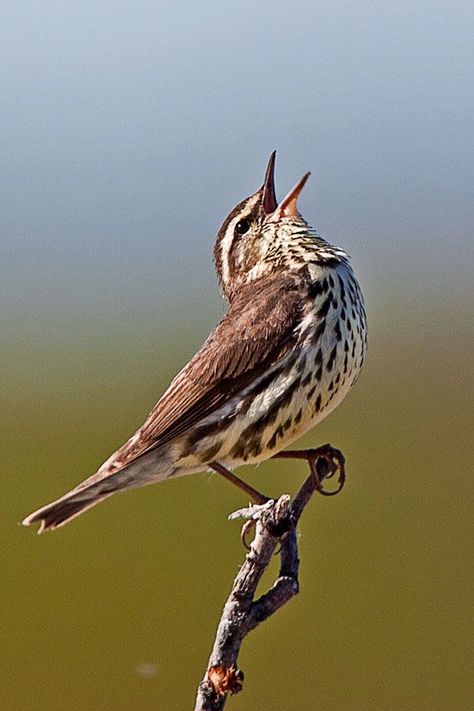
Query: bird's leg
x=323, y=462
x=255, y=495
x=259, y=498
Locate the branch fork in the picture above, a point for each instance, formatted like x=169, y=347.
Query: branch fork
x=275, y=523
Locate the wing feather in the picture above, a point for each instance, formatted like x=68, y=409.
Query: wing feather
x=257, y=331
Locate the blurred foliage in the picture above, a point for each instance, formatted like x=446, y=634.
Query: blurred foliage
x=118, y=610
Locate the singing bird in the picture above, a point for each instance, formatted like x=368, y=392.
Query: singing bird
x=285, y=354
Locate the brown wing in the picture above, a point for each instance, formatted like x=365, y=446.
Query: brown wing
x=256, y=332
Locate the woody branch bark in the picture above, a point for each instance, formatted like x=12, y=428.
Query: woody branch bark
x=275, y=523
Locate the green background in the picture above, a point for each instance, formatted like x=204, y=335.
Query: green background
x=130, y=132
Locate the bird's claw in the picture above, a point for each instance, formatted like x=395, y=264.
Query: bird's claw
x=324, y=462
x=247, y=530
x=252, y=513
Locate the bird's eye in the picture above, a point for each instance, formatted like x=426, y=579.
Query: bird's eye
x=242, y=227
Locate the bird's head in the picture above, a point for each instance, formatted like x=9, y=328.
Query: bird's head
x=260, y=237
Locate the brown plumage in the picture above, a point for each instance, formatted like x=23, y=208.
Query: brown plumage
x=262, y=377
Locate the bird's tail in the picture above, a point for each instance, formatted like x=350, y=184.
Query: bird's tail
x=106, y=481
x=66, y=508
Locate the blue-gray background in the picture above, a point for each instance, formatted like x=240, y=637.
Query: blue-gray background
x=128, y=131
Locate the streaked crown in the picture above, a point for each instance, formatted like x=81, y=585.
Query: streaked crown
x=261, y=237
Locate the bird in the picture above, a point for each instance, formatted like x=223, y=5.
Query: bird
x=284, y=355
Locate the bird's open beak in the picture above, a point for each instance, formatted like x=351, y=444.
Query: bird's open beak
x=269, y=201
x=287, y=207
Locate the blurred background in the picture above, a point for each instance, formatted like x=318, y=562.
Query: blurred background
x=129, y=130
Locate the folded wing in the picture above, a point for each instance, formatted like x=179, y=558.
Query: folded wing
x=258, y=330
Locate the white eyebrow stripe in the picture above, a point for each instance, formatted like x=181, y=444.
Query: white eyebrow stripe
x=226, y=245
x=228, y=240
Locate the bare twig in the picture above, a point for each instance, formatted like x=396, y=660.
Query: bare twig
x=275, y=522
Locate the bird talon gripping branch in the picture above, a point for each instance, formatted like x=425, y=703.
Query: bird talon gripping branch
x=324, y=462
x=247, y=529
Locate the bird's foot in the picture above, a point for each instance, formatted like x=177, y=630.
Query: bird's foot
x=252, y=513
x=323, y=462
x=273, y=510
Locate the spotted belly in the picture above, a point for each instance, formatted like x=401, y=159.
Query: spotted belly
x=295, y=394
x=275, y=411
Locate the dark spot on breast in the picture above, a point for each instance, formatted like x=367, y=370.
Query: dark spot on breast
x=316, y=288
x=343, y=290
x=337, y=331
x=353, y=283
x=239, y=447
x=319, y=331
x=298, y=417
x=306, y=380
x=213, y=428
x=255, y=446
x=331, y=261
x=346, y=358
x=332, y=358
x=331, y=281
x=275, y=436
x=249, y=444
x=262, y=385
x=285, y=370
x=310, y=393
x=210, y=454
x=318, y=403
x=323, y=311
x=270, y=416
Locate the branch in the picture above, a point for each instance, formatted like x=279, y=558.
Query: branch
x=275, y=522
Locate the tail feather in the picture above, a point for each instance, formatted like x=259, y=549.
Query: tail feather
x=98, y=487
x=63, y=510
